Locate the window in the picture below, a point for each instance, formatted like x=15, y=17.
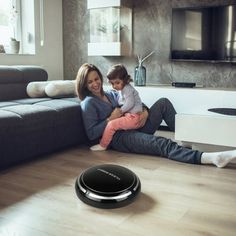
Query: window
x=9, y=20
x=5, y=28
x=17, y=23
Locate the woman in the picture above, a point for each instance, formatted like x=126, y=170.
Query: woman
x=99, y=107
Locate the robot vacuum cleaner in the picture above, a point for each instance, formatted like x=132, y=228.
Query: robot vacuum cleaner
x=107, y=186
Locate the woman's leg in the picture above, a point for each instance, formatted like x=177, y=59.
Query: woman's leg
x=142, y=143
x=161, y=110
x=220, y=159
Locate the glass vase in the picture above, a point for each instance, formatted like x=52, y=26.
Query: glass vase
x=140, y=75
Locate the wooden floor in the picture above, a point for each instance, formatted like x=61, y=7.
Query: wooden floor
x=38, y=198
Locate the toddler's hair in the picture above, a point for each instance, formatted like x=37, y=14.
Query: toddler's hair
x=119, y=72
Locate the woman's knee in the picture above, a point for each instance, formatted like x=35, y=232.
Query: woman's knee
x=165, y=104
x=164, y=101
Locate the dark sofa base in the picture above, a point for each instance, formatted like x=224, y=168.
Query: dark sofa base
x=35, y=126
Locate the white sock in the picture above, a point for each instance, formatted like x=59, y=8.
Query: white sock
x=220, y=159
x=97, y=147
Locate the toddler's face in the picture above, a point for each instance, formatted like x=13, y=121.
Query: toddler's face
x=117, y=84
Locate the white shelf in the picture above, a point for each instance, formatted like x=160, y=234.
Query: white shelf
x=103, y=3
x=108, y=49
x=108, y=3
x=110, y=28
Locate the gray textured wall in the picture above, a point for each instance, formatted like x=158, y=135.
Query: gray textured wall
x=151, y=31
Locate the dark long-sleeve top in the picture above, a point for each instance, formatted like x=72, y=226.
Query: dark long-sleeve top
x=95, y=112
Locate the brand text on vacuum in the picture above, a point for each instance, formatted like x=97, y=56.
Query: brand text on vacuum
x=109, y=173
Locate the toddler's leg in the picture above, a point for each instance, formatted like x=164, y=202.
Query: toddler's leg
x=108, y=133
x=129, y=121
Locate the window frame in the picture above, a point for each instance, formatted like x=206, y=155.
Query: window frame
x=17, y=5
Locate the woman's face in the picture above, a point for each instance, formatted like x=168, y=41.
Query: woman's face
x=94, y=83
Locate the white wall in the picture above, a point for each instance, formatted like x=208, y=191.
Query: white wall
x=50, y=55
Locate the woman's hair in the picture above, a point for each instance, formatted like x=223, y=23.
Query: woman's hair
x=119, y=72
x=82, y=80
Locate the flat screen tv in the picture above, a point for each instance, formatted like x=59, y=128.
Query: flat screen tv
x=204, y=34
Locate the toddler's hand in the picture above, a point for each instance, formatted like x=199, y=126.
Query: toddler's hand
x=115, y=114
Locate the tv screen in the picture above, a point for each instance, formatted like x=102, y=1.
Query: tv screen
x=204, y=33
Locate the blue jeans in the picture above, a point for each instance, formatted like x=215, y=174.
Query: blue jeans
x=144, y=142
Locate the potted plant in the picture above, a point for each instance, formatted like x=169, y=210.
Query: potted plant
x=14, y=46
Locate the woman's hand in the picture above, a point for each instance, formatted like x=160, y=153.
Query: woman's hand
x=115, y=114
x=143, y=118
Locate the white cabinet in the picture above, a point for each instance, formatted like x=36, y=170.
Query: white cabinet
x=214, y=129
x=110, y=28
x=195, y=125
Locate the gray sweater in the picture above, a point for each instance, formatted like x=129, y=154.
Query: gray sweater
x=129, y=100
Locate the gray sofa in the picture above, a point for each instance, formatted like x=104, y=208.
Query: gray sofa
x=31, y=127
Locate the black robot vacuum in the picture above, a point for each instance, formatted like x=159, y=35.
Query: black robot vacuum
x=107, y=186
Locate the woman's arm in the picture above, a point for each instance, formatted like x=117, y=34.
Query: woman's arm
x=94, y=118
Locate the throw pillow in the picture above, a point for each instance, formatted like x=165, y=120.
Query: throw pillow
x=60, y=88
x=37, y=89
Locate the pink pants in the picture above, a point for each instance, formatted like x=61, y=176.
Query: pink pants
x=128, y=121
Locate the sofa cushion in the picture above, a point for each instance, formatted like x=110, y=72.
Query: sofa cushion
x=33, y=116
x=42, y=112
x=7, y=103
x=9, y=121
x=31, y=100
